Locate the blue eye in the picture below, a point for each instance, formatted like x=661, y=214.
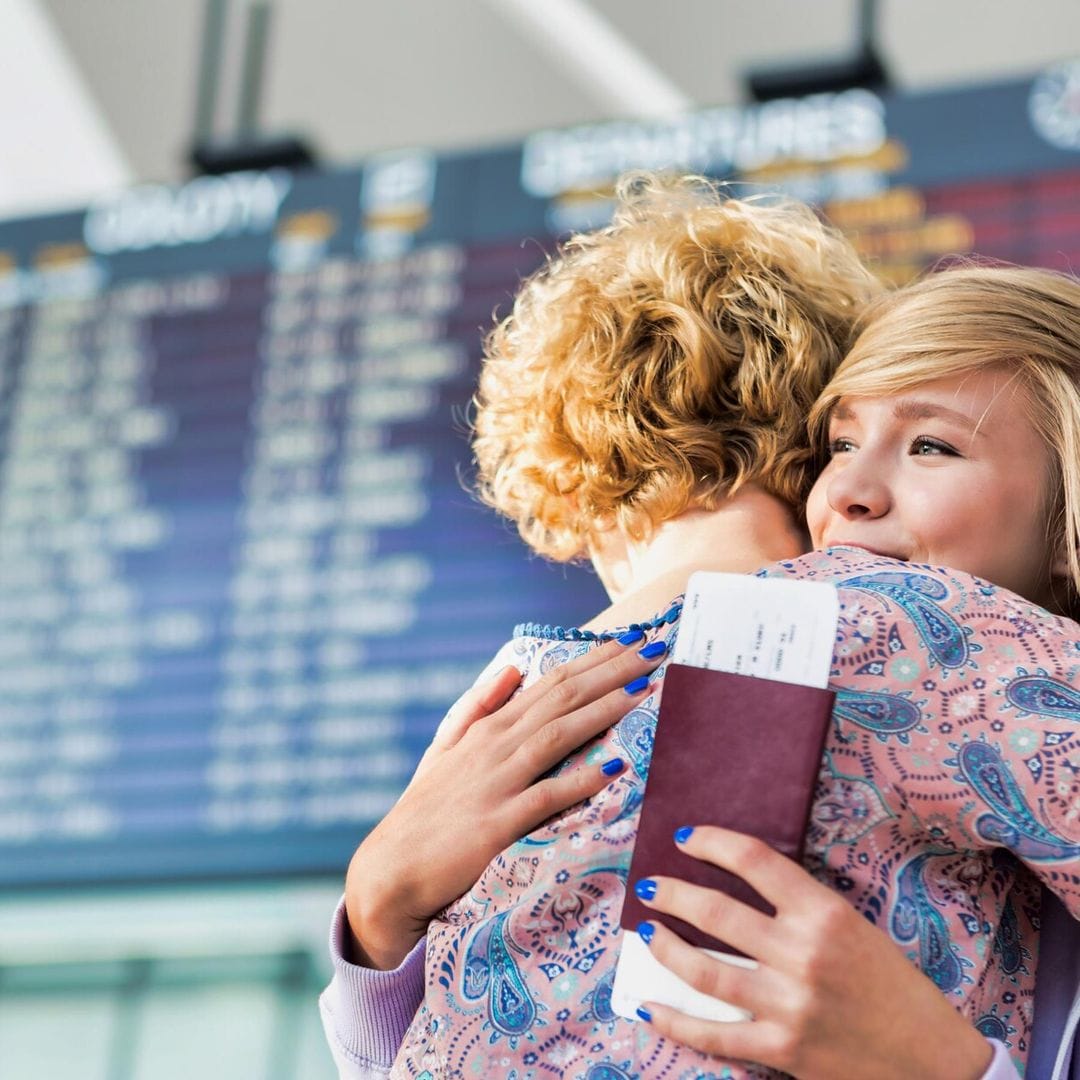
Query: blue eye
x=840, y=446
x=926, y=447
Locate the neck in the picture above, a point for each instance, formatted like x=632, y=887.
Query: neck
x=747, y=531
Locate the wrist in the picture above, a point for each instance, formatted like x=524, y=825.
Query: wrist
x=380, y=930
x=971, y=1055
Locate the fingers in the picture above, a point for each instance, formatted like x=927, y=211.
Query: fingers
x=742, y=1040
x=713, y=912
x=479, y=701
x=621, y=673
x=492, y=694
x=547, y=721
x=556, y=737
x=575, y=684
x=549, y=797
x=748, y=988
x=785, y=884
x=540, y=693
x=769, y=1037
x=593, y=658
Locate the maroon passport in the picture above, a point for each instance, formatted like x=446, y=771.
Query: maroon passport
x=730, y=750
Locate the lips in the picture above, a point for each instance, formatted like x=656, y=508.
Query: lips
x=865, y=547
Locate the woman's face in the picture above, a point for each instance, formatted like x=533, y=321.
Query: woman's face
x=951, y=472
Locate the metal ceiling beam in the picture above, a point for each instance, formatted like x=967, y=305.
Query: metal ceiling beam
x=624, y=81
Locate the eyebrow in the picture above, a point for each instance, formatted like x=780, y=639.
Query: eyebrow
x=914, y=409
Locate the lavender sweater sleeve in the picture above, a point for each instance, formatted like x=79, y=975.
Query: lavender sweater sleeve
x=1001, y=1067
x=365, y=1013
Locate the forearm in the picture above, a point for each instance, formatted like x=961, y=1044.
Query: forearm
x=365, y=1013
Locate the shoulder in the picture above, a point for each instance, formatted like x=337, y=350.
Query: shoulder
x=950, y=616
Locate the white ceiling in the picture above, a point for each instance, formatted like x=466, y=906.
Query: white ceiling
x=362, y=75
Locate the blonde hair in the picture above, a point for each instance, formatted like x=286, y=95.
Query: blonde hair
x=960, y=321
x=663, y=362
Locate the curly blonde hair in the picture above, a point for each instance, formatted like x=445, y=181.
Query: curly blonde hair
x=663, y=362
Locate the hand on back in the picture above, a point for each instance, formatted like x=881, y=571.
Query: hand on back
x=481, y=786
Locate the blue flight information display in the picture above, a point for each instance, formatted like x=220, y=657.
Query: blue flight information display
x=241, y=574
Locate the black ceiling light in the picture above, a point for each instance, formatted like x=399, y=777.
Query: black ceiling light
x=247, y=147
x=864, y=68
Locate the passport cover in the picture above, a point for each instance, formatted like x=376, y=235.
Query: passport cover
x=730, y=750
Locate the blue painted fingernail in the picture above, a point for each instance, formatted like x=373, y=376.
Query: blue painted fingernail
x=612, y=767
x=631, y=636
x=683, y=834
x=645, y=889
x=645, y=931
x=644, y=1014
x=653, y=650
x=637, y=685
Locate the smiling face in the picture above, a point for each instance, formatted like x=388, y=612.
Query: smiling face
x=951, y=472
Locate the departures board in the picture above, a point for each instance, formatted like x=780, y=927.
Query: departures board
x=241, y=575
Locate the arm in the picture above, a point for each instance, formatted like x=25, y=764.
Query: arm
x=459, y=810
x=365, y=1012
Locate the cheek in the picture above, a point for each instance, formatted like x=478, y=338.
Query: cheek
x=1023, y=528
x=817, y=511
x=957, y=513
x=992, y=533
x=999, y=509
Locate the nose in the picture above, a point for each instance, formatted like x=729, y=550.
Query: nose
x=857, y=492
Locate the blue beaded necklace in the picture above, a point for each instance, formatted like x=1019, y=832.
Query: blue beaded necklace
x=572, y=633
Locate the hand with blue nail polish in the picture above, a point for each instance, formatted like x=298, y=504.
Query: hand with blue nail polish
x=832, y=996
x=484, y=783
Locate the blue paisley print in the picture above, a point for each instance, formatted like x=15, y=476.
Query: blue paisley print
x=636, y=732
x=916, y=918
x=490, y=969
x=915, y=594
x=883, y=714
x=1045, y=696
x=1011, y=824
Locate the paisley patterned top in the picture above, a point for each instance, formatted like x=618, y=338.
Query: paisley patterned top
x=949, y=789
